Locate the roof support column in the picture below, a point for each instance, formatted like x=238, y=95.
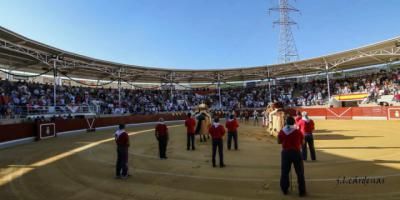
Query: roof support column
x=327, y=80
x=119, y=88
x=219, y=91
x=7, y=74
x=171, y=84
x=55, y=82
x=269, y=86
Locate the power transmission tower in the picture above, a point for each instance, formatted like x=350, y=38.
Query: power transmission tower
x=287, y=46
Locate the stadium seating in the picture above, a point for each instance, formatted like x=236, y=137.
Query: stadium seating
x=20, y=98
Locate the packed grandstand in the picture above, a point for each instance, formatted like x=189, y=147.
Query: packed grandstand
x=372, y=71
x=22, y=97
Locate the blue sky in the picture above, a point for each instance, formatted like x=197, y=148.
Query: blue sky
x=198, y=34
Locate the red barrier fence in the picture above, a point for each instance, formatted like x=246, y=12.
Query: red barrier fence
x=348, y=113
x=10, y=132
x=24, y=130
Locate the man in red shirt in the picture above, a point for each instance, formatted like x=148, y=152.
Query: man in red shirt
x=298, y=117
x=232, y=125
x=190, y=123
x=246, y=116
x=291, y=140
x=217, y=132
x=306, y=126
x=161, y=133
x=122, y=141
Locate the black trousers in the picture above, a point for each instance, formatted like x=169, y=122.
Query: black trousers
x=122, y=161
x=287, y=158
x=217, y=144
x=309, y=139
x=190, y=141
x=255, y=121
x=234, y=136
x=162, y=146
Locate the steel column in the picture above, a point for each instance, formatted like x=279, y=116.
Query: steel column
x=55, y=83
x=171, y=84
x=269, y=86
x=327, y=81
x=7, y=74
x=219, y=92
x=119, y=88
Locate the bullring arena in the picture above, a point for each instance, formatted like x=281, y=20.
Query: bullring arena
x=80, y=166
x=62, y=117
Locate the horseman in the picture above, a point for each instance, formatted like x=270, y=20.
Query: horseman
x=276, y=119
x=267, y=117
x=203, y=122
x=264, y=117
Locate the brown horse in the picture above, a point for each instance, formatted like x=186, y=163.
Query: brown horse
x=203, y=119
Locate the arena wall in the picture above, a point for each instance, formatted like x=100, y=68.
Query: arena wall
x=353, y=113
x=21, y=131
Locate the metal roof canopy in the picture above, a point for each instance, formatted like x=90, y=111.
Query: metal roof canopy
x=20, y=53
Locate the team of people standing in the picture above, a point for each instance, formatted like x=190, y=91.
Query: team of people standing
x=295, y=136
x=217, y=132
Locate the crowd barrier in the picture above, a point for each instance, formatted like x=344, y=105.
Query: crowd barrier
x=10, y=132
x=352, y=113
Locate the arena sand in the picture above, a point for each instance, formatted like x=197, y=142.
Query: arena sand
x=81, y=166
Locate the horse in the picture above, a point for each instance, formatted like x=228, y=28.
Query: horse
x=276, y=118
x=203, y=124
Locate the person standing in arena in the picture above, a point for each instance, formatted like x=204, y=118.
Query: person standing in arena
x=298, y=117
x=161, y=133
x=190, y=123
x=291, y=140
x=241, y=116
x=246, y=116
x=122, y=141
x=264, y=118
x=255, y=117
x=306, y=126
x=217, y=132
x=232, y=125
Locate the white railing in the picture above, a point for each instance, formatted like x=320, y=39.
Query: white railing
x=15, y=112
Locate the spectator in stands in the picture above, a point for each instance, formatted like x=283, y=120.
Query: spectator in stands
x=17, y=98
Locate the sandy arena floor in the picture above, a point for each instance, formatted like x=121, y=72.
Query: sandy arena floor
x=81, y=166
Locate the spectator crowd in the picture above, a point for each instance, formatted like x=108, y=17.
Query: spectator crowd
x=21, y=97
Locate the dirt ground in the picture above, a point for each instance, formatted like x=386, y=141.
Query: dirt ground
x=81, y=166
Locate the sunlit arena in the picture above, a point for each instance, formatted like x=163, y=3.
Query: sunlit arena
x=199, y=100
